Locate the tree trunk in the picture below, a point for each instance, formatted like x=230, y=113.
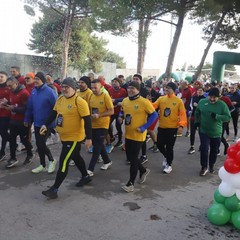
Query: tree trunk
x=66, y=37
x=174, y=45
x=210, y=42
x=143, y=31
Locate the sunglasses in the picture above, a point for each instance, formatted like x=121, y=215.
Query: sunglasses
x=27, y=78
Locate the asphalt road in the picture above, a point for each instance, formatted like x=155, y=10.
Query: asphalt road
x=172, y=207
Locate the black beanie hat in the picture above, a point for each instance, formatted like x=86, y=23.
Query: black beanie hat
x=69, y=82
x=86, y=80
x=41, y=76
x=214, y=92
x=172, y=86
x=148, y=83
x=134, y=84
x=138, y=76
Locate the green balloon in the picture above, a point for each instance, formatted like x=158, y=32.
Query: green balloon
x=236, y=219
x=232, y=203
x=218, y=214
x=218, y=197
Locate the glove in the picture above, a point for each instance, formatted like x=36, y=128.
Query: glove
x=213, y=115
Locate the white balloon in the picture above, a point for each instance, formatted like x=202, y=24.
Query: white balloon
x=224, y=175
x=235, y=180
x=238, y=194
x=226, y=189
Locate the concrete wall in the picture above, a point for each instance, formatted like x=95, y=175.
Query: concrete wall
x=31, y=63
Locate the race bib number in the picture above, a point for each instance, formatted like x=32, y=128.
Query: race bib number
x=167, y=112
x=94, y=110
x=60, y=120
x=128, y=119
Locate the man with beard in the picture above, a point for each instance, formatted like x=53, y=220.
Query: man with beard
x=84, y=91
x=209, y=117
x=73, y=122
x=40, y=104
x=101, y=108
x=138, y=114
x=117, y=94
x=172, y=120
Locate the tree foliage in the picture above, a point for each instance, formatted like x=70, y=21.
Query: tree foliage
x=114, y=58
x=86, y=51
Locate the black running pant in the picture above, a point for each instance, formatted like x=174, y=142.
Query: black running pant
x=23, y=132
x=235, y=116
x=70, y=150
x=166, y=138
x=4, y=126
x=132, y=150
x=43, y=150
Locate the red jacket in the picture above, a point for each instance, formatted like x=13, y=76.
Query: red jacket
x=117, y=95
x=186, y=97
x=30, y=87
x=4, y=93
x=57, y=87
x=227, y=100
x=19, y=98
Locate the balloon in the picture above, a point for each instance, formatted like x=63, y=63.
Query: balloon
x=237, y=145
x=238, y=193
x=237, y=157
x=218, y=214
x=231, y=165
x=224, y=175
x=226, y=189
x=218, y=197
x=232, y=203
x=234, y=180
x=236, y=219
x=232, y=151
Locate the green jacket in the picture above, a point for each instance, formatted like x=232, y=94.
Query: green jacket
x=209, y=125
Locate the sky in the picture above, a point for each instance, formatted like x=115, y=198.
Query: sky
x=16, y=25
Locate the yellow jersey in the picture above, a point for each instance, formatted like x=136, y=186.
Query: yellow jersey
x=135, y=114
x=69, y=121
x=85, y=94
x=100, y=104
x=172, y=113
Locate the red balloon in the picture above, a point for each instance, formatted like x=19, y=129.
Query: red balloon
x=237, y=145
x=237, y=157
x=232, y=166
x=232, y=151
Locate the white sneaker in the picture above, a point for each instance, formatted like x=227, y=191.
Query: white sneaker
x=71, y=163
x=39, y=169
x=164, y=163
x=20, y=147
x=167, y=169
x=51, y=166
x=106, y=166
x=128, y=189
x=49, y=141
x=100, y=159
x=90, y=173
x=56, y=138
